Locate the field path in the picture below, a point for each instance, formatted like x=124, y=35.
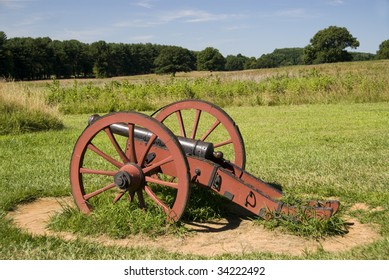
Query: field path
x=209, y=239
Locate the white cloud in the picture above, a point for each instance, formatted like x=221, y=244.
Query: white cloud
x=236, y=27
x=136, y=23
x=295, y=13
x=188, y=16
x=145, y=4
x=335, y=2
x=31, y=21
x=195, y=16
x=14, y=4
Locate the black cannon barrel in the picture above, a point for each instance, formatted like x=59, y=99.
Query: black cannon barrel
x=190, y=146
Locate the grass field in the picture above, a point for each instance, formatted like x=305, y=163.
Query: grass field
x=336, y=150
x=323, y=84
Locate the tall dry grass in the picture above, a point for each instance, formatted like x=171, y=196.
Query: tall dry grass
x=24, y=109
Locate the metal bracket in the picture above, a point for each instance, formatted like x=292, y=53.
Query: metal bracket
x=217, y=182
x=228, y=195
x=150, y=157
x=253, y=201
x=213, y=176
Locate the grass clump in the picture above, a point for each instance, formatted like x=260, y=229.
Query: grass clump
x=125, y=219
x=21, y=113
x=303, y=224
x=118, y=220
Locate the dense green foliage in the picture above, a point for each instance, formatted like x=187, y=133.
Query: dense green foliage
x=4, y=56
x=281, y=57
x=174, y=59
x=328, y=45
x=234, y=63
x=360, y=56
x=42, y=58
x=210, y=59
x=383, y=51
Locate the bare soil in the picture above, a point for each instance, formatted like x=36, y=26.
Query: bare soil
x=234, y=236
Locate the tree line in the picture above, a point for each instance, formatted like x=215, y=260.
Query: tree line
x=25, y=58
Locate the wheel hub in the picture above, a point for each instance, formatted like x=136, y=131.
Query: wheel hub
x=122, y=180
x=130, y=177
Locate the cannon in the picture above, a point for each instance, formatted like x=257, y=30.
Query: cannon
x=158, y=158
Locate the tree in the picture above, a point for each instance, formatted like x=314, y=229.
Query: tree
x=362, y=56
x=281, y=57
x=174, y=59
x=121, y=59
x=143, y=57
x=4, y=56
x=3, y=39
x=251, y=63
x=102, y=56
x=22, y=64
x=42, y=58
x=77, y=58
x=328, y=45
x=235, y=63
x=267, y=61
x=383, y=51
x=210, y=59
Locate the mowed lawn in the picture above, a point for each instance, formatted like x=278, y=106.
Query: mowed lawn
x=313, y=151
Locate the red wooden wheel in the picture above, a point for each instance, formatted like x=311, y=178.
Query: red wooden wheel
x=201, y=120
x=105, y=164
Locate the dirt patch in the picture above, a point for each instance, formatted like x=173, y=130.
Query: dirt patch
x=235, y=236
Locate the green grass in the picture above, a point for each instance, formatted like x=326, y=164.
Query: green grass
x=24, y=110
x=331, y=151
x=312, y=151
x=123, y=220
x=304, y=225
x=15, y=119
x=116, y=221
x=323, y=84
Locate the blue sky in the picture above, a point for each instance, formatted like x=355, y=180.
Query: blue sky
x=249, y=27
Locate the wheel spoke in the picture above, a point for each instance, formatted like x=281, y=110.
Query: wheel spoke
x=141, y=199
x=148, y=146
x=161, y=182
x=229, y=141
x=118, y=196
x=196, y=124
x=209, y=131
x=131, y=196
x=130, y=148
x=116, y=145
x=97, y=172
x=181, y=123
x=104, y=155
x=157, y=200
x=157, y=164
x=99, y=191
